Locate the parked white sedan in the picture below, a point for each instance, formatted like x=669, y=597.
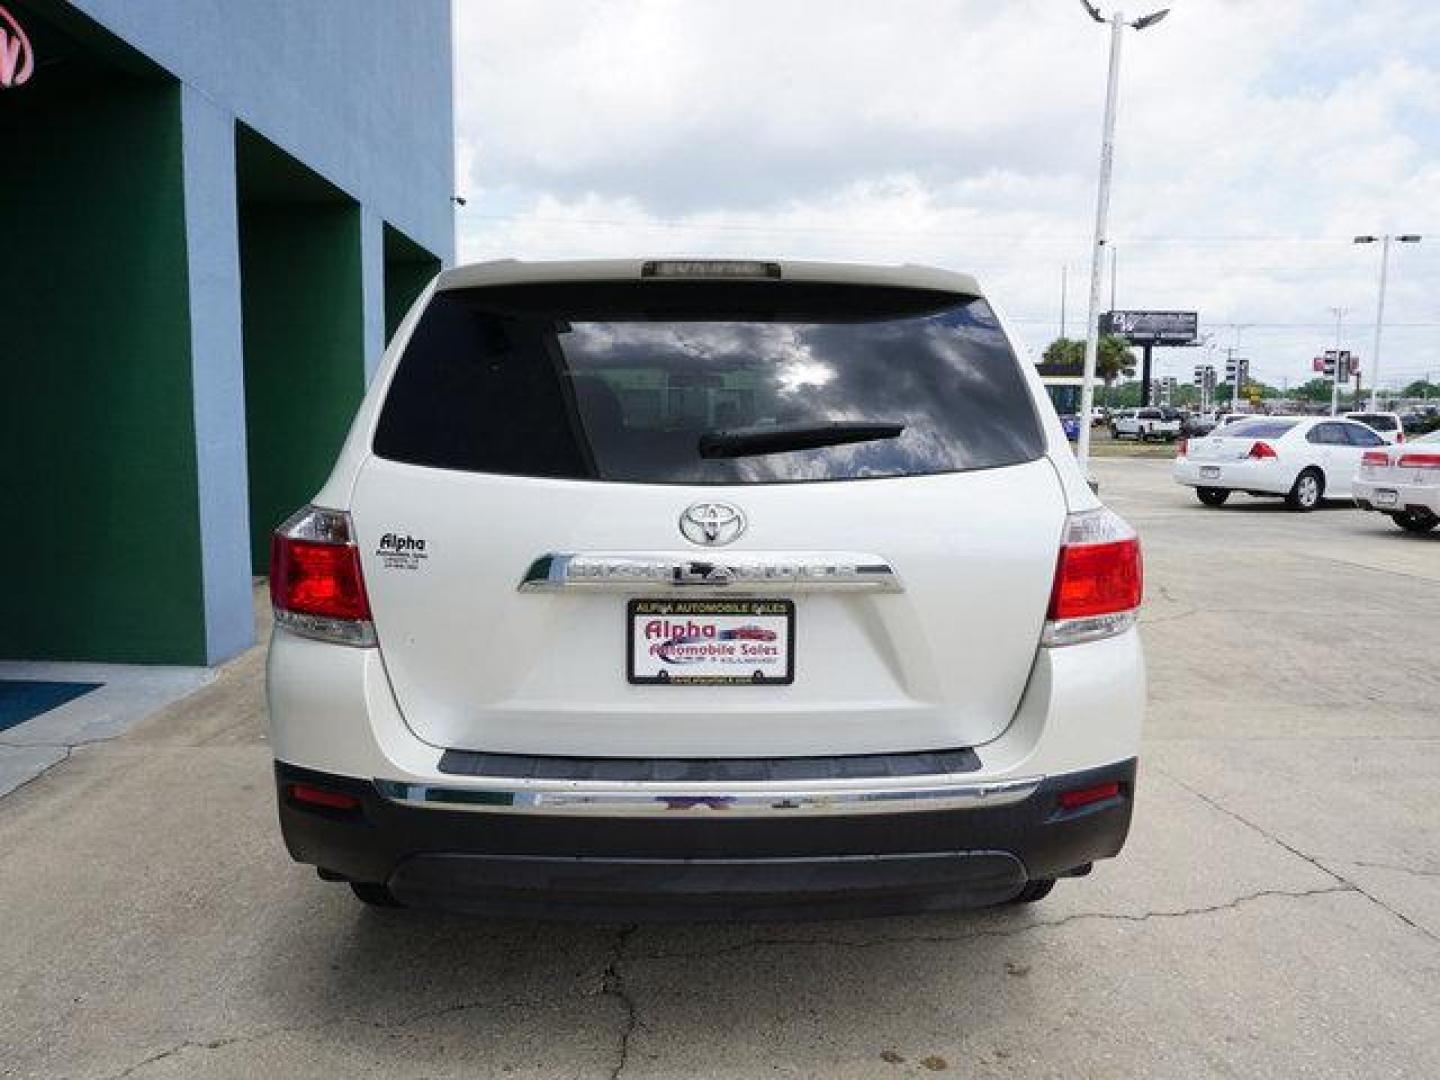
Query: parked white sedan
x=1305, y=460
x=1404, y=482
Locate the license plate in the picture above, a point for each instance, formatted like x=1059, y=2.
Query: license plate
x=1386, y=498
x=710, y=642
x=1210, y=472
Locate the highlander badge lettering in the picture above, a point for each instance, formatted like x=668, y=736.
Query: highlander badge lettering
x=676, y=570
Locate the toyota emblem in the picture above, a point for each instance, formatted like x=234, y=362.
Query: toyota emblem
x=712, y=523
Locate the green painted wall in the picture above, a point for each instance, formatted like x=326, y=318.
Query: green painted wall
x=97, y=463
x=408, y=269
x=304, y=350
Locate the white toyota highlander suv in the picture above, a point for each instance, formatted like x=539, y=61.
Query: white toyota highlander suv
x=699, y=589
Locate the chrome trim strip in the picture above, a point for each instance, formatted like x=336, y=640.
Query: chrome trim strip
x=789, y=570
x=643, y=799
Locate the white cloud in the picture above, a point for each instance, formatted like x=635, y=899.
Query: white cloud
x=965, y=134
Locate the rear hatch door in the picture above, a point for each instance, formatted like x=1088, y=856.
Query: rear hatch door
x=523, y=430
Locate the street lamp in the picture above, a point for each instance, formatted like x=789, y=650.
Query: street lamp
x=1102, y=214
x=1403, y=238
x=1339, y=313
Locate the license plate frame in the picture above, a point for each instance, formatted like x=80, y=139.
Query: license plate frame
x=1209, y=472
x=1387, y=497
x=701, y=659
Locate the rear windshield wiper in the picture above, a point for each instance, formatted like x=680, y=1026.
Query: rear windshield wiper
x=773, y=439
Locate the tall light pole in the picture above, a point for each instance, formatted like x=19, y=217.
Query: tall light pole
x=1102, y=216
x=1404, y=238
x=1339, y=313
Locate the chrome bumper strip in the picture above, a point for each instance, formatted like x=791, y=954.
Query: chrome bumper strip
x=640, y=799
x=789, y=570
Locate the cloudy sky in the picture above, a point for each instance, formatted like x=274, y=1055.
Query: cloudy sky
x=1256, y=137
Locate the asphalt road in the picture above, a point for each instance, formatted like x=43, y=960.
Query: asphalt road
x=1277, y=912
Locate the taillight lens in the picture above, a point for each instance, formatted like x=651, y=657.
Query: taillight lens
x=1377, y=458
x=1181, y=446
x=1261, y=450
x=316, y=586
x=1419, y=461
x=1099, y=579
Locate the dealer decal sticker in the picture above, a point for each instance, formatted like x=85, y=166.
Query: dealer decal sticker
x=397, y=552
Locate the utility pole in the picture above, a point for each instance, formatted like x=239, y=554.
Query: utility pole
x=1064, y=276
x=1114, y=265
x=1102, y=216
x=1237, y=380
x=1404, y=238
x=1339, y=313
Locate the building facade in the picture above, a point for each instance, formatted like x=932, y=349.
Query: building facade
x=213, y=216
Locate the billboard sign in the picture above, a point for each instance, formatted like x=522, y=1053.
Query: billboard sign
x=1152, y=327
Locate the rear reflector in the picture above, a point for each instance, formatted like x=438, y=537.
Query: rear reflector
x=1419, y=461
x=1099, y=579
x=316, y=585
x=1262, y=450
x=1376, y=458
x=314, y=796
x=1073, y=800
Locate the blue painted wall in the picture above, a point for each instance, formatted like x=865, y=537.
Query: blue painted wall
x=359, y=90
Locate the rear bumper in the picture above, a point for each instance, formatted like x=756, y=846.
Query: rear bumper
x=1233, y=475
x=708, y=865
x=1406, y=496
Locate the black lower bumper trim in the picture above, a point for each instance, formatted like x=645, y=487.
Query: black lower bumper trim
x=554, y=866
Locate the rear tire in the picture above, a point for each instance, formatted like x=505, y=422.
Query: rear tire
x=1416, y=521
x=1308, y=491
x=1035, y=889
x=1212, y=496
x=373, y=894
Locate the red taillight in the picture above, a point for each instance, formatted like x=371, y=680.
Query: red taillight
x=316, y=585
x=1261, y=450
x=330, y=800
x=1097, y=579
x=1377, y=458
x=311, y=578
x=1181, y=446
x=1419, y=461
x=1399, y=437
x=1073, y=800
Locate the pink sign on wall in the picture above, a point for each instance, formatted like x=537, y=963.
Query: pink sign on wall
x=17, y=59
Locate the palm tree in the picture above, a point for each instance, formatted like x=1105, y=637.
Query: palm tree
x=1113, y=358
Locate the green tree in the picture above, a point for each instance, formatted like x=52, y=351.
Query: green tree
x=1314, y=390
x=1421, y=388
x=1113, y=358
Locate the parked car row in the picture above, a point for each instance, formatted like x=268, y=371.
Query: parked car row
x=1306, y=460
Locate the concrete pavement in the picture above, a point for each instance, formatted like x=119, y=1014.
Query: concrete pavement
x=1277, y=912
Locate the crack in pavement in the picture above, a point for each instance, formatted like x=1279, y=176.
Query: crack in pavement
x=613, y=985
x=995, y=932
x=1413, y=870
x=1316, y=863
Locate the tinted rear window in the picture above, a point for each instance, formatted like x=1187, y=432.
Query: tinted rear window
x=1379, y=423
x=1256, y=429
x=620, y=381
